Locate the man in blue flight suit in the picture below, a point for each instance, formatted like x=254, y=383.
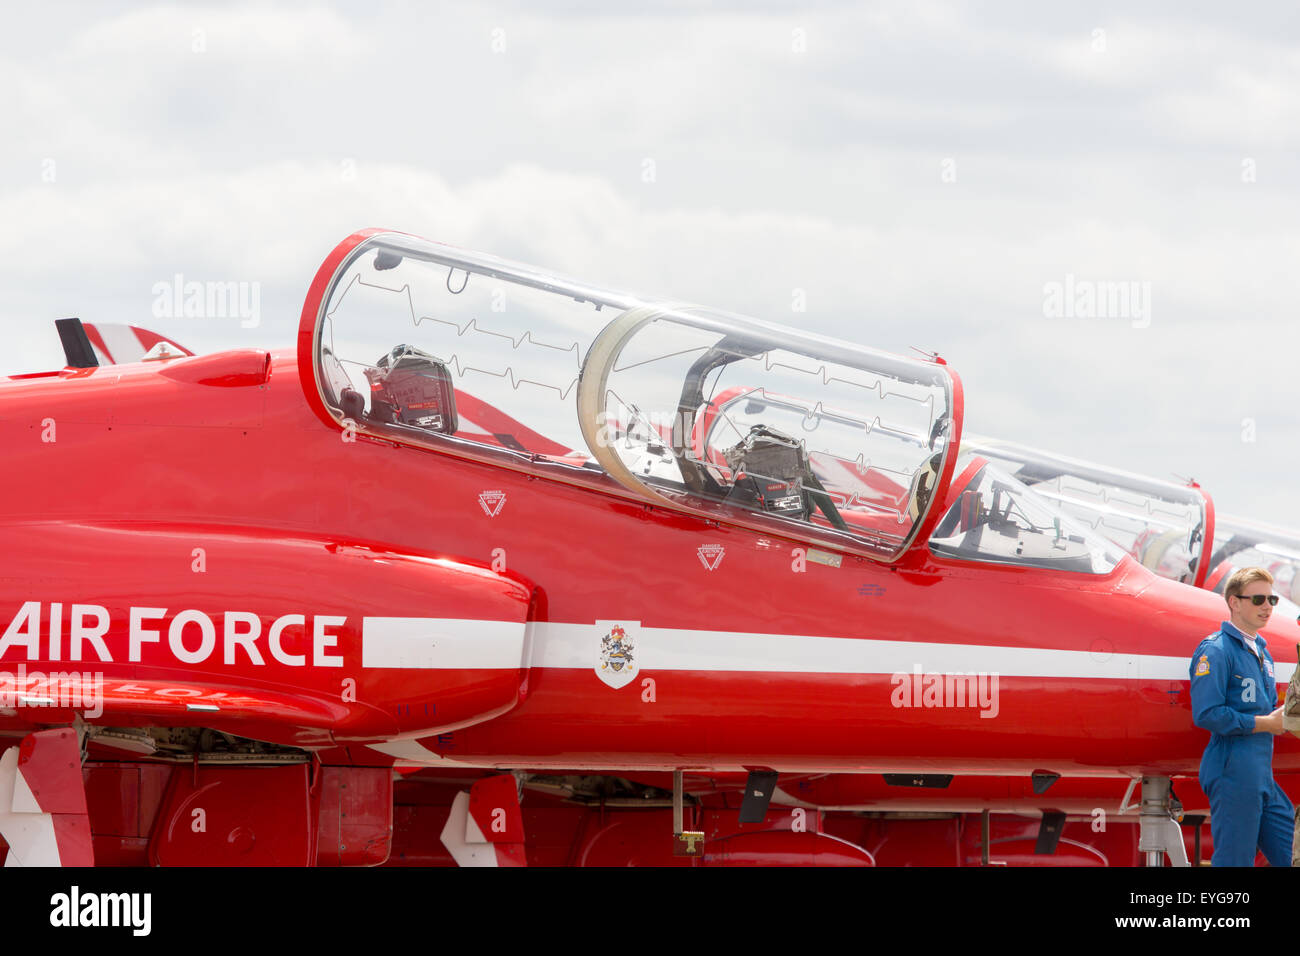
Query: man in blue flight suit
x=1234, y=696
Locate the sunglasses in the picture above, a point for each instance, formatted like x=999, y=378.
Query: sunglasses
x=1259, y=599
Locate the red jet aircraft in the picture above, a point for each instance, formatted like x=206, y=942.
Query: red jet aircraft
x=298, y=570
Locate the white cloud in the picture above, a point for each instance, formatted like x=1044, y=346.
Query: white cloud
x=775, y=171
x=305, y=34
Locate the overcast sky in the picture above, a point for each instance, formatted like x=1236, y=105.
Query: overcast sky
x=937, y=175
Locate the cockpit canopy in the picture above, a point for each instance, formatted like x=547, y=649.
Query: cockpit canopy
x=706, y=412
x=1239, y=543
x=996, y=518
x=1165, y=526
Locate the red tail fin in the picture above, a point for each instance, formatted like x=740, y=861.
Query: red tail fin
x=117, y=344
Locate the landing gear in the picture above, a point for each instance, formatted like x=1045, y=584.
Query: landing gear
x=1159, y=832
x=685, y=842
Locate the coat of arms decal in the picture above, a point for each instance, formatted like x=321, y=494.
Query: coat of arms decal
x=617, y=665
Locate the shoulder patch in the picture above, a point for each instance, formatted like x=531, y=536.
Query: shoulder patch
x=1203, y=666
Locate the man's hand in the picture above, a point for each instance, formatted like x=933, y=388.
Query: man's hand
x=1272, y=724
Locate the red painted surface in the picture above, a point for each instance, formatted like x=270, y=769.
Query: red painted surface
x=49, y=763
x=383, y=503
x=235, y=816
x=275, y=575
x=357, y=824
x=123, y=801
x=494, y=807
x=240, y=459
x=355, y=816
x=1082, y=796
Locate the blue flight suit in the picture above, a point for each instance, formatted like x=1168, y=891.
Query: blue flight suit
x=1248, y=810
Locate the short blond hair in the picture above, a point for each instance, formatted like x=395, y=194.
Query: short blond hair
x=1241, y=577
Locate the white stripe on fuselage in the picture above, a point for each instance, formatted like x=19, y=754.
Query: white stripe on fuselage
x=450, y=643
x=658, y=648
x=577, y=646
x=438, y=643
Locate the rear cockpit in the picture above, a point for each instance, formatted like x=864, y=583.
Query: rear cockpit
x=995, y=518
x=1164, y=526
